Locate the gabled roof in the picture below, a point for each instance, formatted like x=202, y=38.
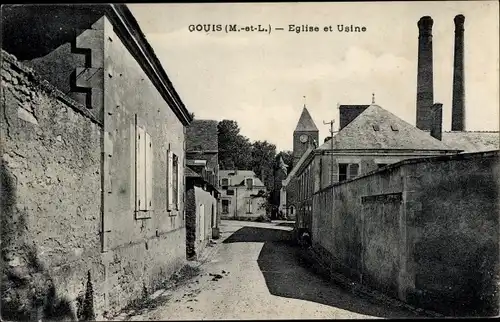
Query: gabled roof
x=473, y=141
x=238, y=176
x=306, y=122
x=377, y=128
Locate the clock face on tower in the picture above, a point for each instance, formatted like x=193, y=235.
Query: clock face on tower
x=303, y=138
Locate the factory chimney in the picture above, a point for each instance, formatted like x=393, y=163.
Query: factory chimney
x=437, y=121
x=425, y=84
x=458, y=102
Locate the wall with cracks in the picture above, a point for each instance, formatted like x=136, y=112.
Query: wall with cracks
x=50, y=182
x=425, y=231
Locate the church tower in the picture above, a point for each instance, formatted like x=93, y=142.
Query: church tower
x=306, y=134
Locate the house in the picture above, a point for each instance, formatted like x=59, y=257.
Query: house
x=202, y=187
x=242, y=194
x=371, y=140
x=89, y=96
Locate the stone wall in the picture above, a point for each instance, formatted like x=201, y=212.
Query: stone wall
x=196, y=239
x=422, y=230
x=82, y=198
x=51, y=192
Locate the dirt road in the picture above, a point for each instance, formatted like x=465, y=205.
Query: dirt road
x=254, y=273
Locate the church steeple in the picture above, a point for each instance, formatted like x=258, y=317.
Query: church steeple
x=304, y=135
x=306, y=122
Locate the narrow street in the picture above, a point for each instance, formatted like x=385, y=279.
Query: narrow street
x=253, y=273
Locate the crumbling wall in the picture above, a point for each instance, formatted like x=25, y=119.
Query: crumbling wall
x=50, y=207
x=423, y=230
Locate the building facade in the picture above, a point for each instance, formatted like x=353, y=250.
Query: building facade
x=373, y=139
x=242, y=194
x=97, y=58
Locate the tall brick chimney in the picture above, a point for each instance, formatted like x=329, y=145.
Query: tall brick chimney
x=458, y=103
x=425, y=84
x=437, y=121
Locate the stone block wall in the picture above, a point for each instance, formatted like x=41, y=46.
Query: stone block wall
x=425, y=231
x=51, y=192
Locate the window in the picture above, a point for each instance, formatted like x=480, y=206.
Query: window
x=291, y=210
x=224, y=182
x=230, y=192
x=173, y=176
x=343, y=171
x=202, y=222
x=249, y=205
x=225, y=206
x=348, y=171
x=214, y=224
x=353, y=170
x=143, y=171
x=249, y=183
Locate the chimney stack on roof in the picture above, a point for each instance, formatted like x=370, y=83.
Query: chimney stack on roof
x=437, y=121
x=425, y=84
x=458, y=102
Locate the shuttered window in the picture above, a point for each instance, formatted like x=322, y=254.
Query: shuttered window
x=173, y=182
x=143, y=170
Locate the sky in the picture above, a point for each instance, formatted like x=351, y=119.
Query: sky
x=260, y=79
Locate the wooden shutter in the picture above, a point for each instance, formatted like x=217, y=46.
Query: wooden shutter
x=140, y=174
x=148, y=172
x=353, y=170
x=202, y=222
x=170, y=177
x=179, y=185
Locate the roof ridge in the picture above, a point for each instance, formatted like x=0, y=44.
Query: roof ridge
x=306, y=123
x=359, y=134
x=480, y=131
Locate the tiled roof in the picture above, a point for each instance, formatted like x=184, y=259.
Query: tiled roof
x=201, y=135
x=190, y=173
x=237, y=177
x=306, y=122
x=377, y=128
x=472, y=141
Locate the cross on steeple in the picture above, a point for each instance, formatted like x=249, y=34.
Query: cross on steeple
x=304, y=100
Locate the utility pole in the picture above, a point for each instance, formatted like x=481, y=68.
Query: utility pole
x=331, y=148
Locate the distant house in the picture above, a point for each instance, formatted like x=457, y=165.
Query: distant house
x=202, y=188
x=242, y=194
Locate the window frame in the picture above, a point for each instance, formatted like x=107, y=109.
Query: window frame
x=246, y=185
x=222, y=206
x=173, y=202
x=143, y=171
x=249, y=205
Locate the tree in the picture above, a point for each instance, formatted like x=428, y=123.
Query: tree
x=234, y=148
x=263, y=154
